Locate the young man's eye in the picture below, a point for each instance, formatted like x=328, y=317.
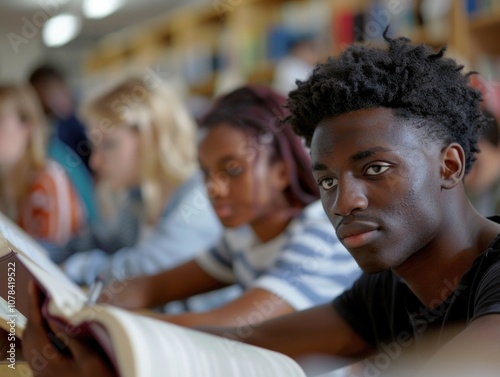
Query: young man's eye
x=376, y=169
x=328, y=183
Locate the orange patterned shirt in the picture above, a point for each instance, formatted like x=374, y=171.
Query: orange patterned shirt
x=52, y=211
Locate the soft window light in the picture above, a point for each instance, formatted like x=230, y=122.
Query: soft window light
x=61, y=29
x=100, y=8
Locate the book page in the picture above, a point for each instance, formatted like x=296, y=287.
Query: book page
x=20, y=239
x=67, y=297
x=10, y=315
x=148, y=347
x=22, y=243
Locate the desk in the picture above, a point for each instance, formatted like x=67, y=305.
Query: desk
x=22, y=370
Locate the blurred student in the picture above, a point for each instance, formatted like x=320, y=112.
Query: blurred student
x=55, y=96
x=35, y=192
x=299, y=63
x=144, y=146
x=67, y=141
x=278, y=244
x=483, y=181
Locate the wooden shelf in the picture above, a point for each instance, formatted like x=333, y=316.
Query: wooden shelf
x=421, y=35
x=237, y=38
x=484, y=22
x=206, y=88
x=262, y=74
x=485, y=32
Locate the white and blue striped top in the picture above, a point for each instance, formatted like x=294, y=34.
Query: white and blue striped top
x=305, y=266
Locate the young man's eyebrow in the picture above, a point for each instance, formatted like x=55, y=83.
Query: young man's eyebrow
x=367, y=153
x=318, y=166
x=359, y=156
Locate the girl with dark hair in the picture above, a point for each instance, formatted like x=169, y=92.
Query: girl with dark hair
x=278, y=244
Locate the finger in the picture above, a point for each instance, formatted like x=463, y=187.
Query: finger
x=36, y=334
x=34, y=337
x=34, y=312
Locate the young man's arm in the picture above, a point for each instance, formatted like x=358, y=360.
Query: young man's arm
x=319, y=330
x=476, y=350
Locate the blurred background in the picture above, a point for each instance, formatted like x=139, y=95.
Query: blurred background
x=209, y=46
x=201, y=48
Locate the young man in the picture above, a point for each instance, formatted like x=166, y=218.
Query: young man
x=392, y=133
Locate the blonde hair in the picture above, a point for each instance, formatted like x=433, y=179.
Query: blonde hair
x=166, y=131
x=24, y=102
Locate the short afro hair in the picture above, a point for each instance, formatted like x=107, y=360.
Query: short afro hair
x=413, y=80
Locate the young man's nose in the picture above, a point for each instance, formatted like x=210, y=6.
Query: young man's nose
x=350, y=196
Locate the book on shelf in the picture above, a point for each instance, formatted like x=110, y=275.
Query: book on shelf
x=135, y=345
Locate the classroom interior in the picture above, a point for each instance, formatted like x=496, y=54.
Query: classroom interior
x=204, y=49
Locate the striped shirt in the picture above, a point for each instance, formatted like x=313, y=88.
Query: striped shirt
x=305, y=266
x=52, y=211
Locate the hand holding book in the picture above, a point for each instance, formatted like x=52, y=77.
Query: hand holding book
x=82, y=360
x=101, y=340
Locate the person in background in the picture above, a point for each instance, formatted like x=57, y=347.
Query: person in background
x=483, y=181
x=68, y=143
x=144, y=147
x=303, y=55
x=57, y=102
x=278, y=244
x=35, y=191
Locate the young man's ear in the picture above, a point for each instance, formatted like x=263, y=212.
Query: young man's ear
x=452, y=165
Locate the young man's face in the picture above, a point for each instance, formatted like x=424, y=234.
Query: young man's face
x=380, y=185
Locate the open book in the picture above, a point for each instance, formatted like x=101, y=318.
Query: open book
x=135, y=345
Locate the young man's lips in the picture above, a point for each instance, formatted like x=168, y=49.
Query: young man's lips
x=357, y=234
x=360, y=239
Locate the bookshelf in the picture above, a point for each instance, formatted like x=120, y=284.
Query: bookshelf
x=203, y=43
x=484, y=32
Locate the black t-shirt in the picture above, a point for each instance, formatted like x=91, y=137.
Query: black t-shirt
x=383, y=310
